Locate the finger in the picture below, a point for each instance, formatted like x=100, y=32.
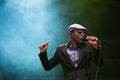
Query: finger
x=93, y=38
x=96, y=39
x=42, y=46
x=47, y=43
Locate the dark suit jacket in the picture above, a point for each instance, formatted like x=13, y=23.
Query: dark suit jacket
x=82, y=71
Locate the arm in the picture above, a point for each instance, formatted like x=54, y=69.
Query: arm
x=47, y=64
x=96, y=55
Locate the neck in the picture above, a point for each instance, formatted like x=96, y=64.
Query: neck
x=74, y=44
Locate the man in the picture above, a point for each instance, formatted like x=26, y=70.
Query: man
x=76, y=56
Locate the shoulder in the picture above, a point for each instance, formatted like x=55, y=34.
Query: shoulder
x=61, y=48
x=63, y=45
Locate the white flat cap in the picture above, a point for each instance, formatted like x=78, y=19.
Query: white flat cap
x=76, y=26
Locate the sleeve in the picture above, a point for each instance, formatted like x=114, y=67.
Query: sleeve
x=49, y=64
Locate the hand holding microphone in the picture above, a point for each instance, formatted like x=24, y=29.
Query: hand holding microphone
x=93, y=40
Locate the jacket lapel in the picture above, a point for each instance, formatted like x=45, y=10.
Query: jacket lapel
x=67, y=56
x=80, y=57
x=82, y=53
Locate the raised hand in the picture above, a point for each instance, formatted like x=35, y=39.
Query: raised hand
x=43, y=47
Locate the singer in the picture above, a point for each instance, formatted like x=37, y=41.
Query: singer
x=75, y=56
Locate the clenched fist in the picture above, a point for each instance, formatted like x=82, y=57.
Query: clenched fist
x=43, y=47
x=93, y=40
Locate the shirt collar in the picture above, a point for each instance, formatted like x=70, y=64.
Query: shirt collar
x=69, y=46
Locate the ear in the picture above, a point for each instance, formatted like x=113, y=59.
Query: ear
x=71, y=33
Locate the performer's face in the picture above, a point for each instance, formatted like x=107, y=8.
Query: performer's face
x=77, y=35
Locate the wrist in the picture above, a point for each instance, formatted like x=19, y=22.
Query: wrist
x=42, y=52
x=95, y=46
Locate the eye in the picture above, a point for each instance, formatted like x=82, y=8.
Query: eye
x=79, y=32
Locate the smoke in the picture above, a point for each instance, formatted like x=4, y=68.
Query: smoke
x=24, y=24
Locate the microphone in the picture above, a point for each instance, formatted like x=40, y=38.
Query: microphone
x=85, y=38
